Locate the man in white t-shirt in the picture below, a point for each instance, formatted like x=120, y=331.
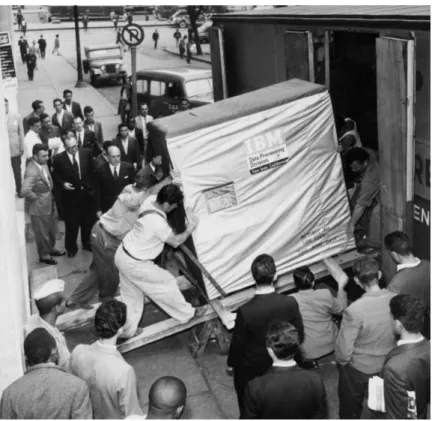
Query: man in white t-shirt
x=139, y=275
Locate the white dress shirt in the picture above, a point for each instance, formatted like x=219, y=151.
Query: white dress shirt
x=60, y=117
x=143, y=123
x=31, y=138
x=408, y=265
x=77, y=160
x=125, y=143
x=91, y=127
x=117, y=167
x=80, y=138
x=409, y=341
x=68, y=107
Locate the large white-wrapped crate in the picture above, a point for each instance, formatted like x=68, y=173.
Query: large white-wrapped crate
x=262, y=173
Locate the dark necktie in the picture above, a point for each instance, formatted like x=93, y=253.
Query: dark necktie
x=115, y=173
x=76, y=167
x=79, y=140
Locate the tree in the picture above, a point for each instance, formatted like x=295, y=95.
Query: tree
x=194, y=12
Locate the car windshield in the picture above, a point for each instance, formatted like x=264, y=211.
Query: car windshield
x=113, y=52
x=200, y=88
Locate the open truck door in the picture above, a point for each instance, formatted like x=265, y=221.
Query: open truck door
x=395, y=97
x=299, y=55
x=220, y=90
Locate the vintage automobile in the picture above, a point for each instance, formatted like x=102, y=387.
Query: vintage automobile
x=181, y=19
x=163, y=89
x=104, y=62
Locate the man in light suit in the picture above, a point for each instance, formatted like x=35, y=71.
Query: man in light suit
x=73, y=107
x=37, y=191
x=142, y=119
x=45, y=391
x=61, y=118
x=111, y=380
x=93, y=125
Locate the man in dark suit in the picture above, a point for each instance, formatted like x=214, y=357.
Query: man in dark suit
x=406, y=371
x=110, y=181
x=286, y=391
x=129, y=148
x=102, y=158
x=73, y=172
x=93, y=125
x=37, y=191
x=248, y=356
x=86, y=139
x=73, y=107
x=153, y=171
x=61, y=118
x=48, y=131
x=136, y=133
x=38, y=108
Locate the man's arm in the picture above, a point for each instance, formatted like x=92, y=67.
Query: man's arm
x=21, y=135
x=101, y=137
x=175, y=240
x=97, y=178
x=30, y=179
x=238, y=341
x=81, y=405
x=128, y=396
x=137, y=158
x=342, y=279
x=322, y=410
x=251, y=404
x=155, y=189
x=296, y=319
x=395, y=395
x=57, y=172
x=345, y=341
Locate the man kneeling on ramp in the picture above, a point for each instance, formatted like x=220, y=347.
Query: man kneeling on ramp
x=139, y=275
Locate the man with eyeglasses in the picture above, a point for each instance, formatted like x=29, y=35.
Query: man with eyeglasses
x=73, y=173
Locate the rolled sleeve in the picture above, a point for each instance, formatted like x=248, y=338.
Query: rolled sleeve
x=345, y=341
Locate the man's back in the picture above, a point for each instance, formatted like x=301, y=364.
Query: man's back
x=112, y=381
x=286, y=393
x=248, y=346
x=46, y=392
x=407, y=368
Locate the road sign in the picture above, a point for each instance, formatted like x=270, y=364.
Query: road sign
x=132, y=34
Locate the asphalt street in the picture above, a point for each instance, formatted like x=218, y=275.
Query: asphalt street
x=147, y=56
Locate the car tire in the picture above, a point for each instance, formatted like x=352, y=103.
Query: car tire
x=183, y=24
x=95, y=80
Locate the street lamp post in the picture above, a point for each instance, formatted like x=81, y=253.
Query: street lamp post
x=80, y=83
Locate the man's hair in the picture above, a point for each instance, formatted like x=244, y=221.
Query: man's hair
x=43, y=116
x=339, y=122
x=33, y=120
x=398, y=242
x=109, y=318
x=36, y=104
x=57, y=100
x=366, y=270
x=107, y=144
x=37, y=147
x=66, y=91
x=263, y=269
x=303, y=278
x=122, y=125
x=77, y=117
x=170, y=194
x=166, y=395
x=283, y=339
x=357, y=154
x=38, y=346
x=409, y=310
x=46, y=305
x=143, y=103
x=88, y=109
x=6, y=100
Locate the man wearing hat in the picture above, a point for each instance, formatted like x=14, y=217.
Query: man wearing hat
x=50, y=302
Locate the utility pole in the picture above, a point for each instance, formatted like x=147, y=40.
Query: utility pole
x=80, y=83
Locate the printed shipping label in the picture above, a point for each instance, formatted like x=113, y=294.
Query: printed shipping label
x=267, y=159
x=220, y=198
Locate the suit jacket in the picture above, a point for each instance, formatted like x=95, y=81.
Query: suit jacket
x=286, y=393
x=366, y=334
x=111, y=380
x=99, y=162
x=90, y=142
x=138, y=121
x=407, y=368
x=37, y=190
x=150, y=175
x=107, y=188
x=66, y=123
x=133, y=155
x=140, y=138
x=76, y=109
x=46, y=392
x=97, y=132
x=46, y=134
x=248, y=352
x=64, y=172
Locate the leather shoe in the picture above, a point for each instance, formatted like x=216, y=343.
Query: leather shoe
x=58, y=253
x=71, y=253
x=87, y=247
x=48, y=261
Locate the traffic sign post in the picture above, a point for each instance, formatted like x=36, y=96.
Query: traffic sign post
x=133, y=35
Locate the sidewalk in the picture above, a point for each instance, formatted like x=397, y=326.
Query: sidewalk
x=92, y=24
x=205, y=58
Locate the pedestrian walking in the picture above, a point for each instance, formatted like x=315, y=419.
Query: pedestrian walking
x=35, y=50
x=129, y=17
x=115, y=20
x=155, y=37
x=85, y=21
x=56, y=45
x=188, y=51
x=177, y=36
x=24, y=26
x=42, y=46
x=182, y=46
x=125, y=99
x=19, y=18
x=31, y=60
x=23, y=46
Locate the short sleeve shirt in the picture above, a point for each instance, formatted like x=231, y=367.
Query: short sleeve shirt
x=149, y=234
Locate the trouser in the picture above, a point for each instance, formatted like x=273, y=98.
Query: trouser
x=23, y=55
x=16, y=168
x=42, y=53
x=45, y=233
x=189, y=56
x=140, y=278
x=74, y=220
x=103, y=275
x=155, y=44
x=182, y=51
x=374, y=231
x=30, y=72
x=353, y=385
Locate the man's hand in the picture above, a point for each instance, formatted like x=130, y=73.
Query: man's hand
x=68, y=186
x=229, y=370
x=350, y=230
x=175, y=175
x=193, y=223
x=98, y=214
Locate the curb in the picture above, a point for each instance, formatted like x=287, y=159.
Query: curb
x=57, y=27
x=202, y=60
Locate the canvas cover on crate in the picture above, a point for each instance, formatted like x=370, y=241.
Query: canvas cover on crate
x=262, y=173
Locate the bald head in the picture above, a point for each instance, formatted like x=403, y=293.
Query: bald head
x=167, y=398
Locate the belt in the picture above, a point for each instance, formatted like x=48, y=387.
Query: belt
x=101, y=225
x=130, y=255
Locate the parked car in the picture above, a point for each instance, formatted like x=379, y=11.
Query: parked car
x=163, y=89
x=104, y=62
x=181, y=19
x=165, y=12
x=203, y=32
